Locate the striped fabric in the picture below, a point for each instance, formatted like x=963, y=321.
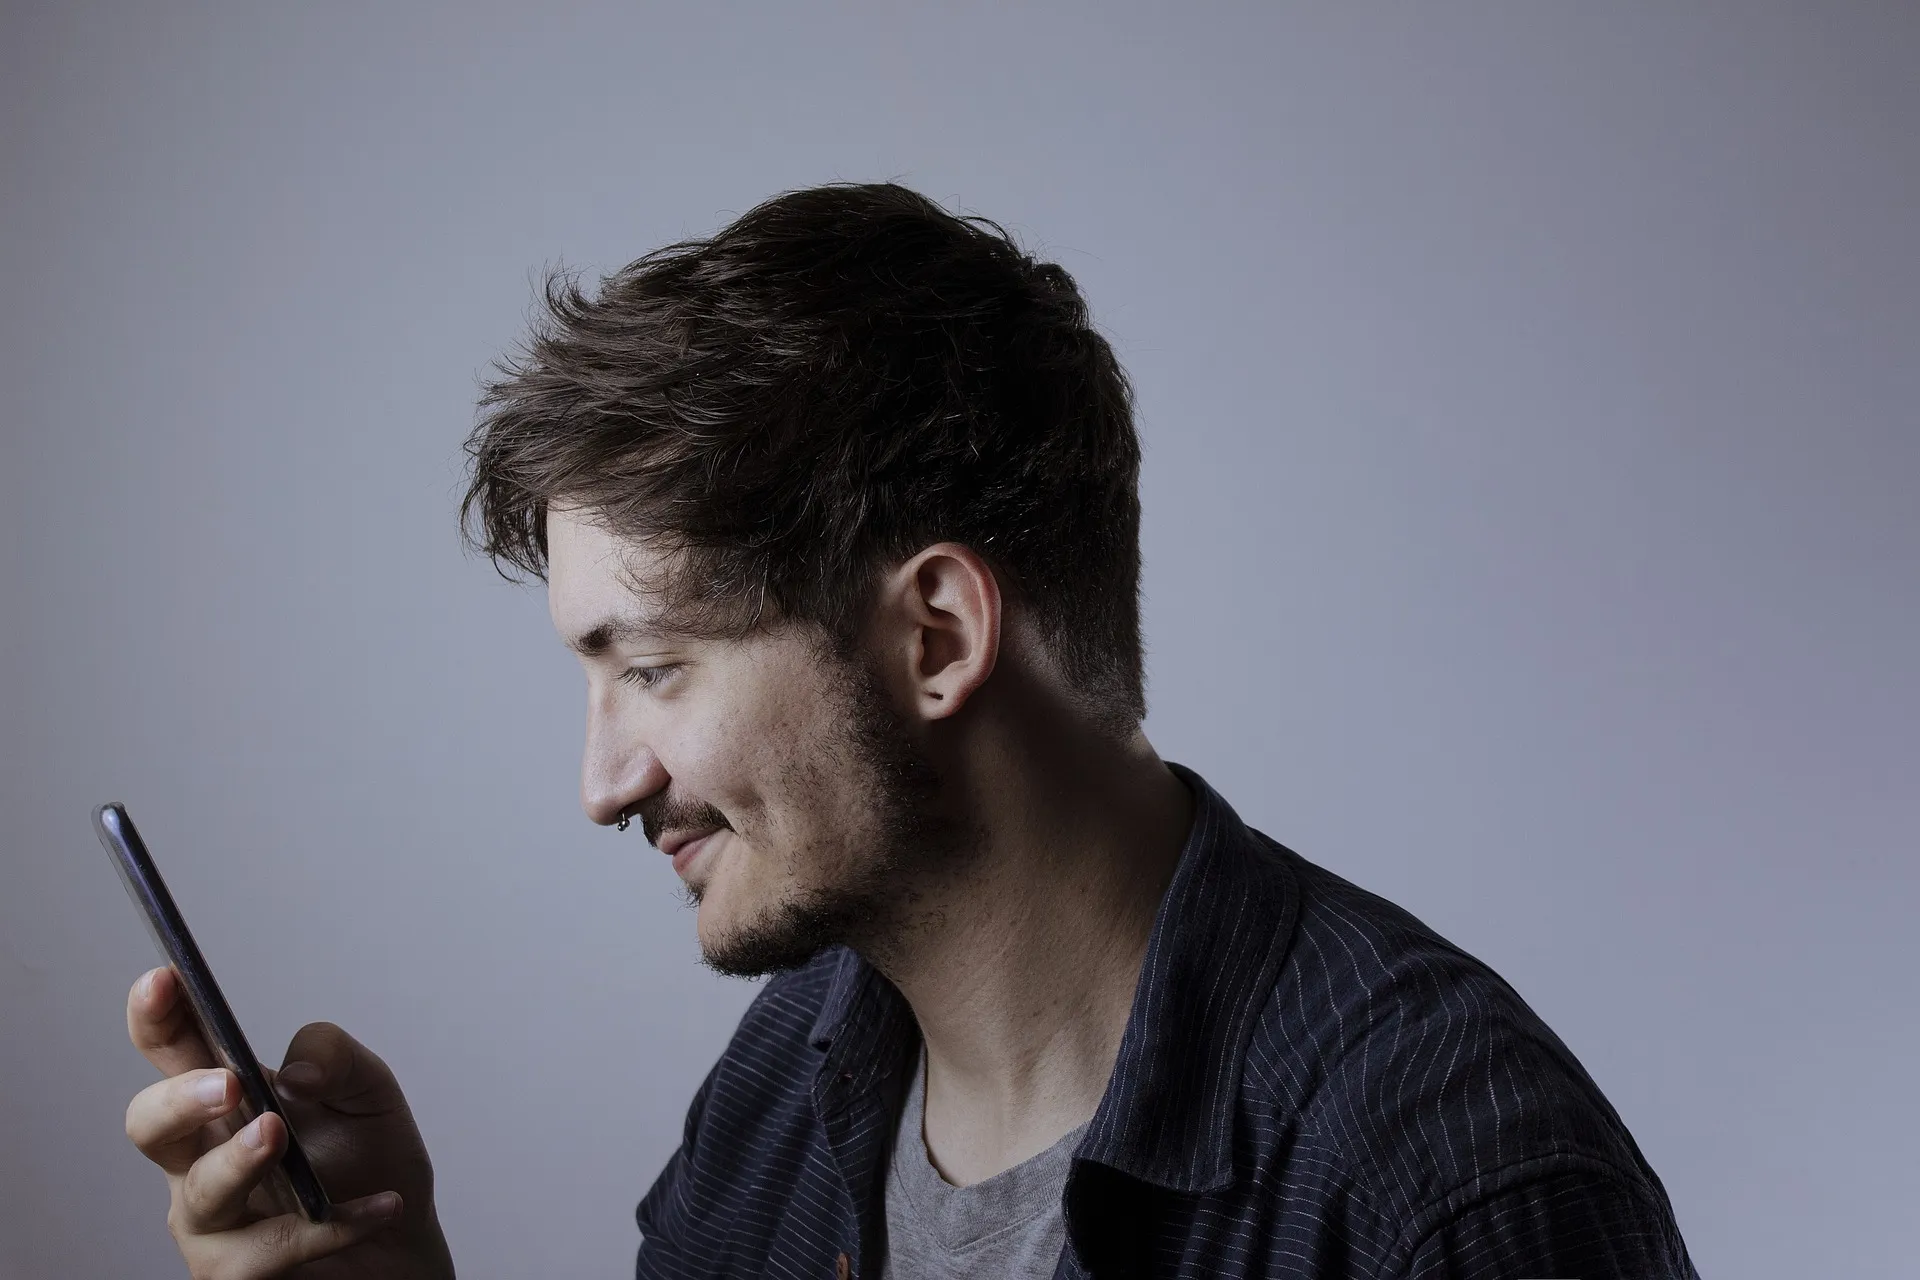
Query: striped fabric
x=1312, y=1083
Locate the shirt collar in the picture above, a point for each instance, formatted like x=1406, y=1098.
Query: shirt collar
x=1215, y=949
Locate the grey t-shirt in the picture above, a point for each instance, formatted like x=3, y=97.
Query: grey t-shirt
x=1007, y=1226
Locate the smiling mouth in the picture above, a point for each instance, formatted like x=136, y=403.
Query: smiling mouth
x=683, y=846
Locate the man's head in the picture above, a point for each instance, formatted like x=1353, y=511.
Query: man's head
x=807, y=462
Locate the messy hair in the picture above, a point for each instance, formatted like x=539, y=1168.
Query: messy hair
x=842, y=376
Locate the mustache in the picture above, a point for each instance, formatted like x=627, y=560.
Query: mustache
x=664, y=811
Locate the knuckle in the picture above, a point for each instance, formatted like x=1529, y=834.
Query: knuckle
x=190, y=1200
x=317, y=1038
x=214, y=1262
x=144, y=1114
x=197, y=1198
x=274, y=1247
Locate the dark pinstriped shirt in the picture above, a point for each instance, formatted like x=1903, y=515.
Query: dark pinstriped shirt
x=1311, y=1083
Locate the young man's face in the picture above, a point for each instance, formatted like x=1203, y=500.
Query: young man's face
x=789, y=790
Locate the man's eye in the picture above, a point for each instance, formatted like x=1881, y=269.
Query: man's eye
x=648, y=677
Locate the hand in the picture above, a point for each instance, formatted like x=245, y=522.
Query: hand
x=353, y=1123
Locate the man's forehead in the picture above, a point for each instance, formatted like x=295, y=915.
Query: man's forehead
x=592, y=579
x=579, y=541
x=605, y=590
x=599, y=609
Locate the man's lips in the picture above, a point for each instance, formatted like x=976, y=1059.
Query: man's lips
x=681, y=846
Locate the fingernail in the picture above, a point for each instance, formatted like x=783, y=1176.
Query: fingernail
x=251, y=1137
x=373, y=1208
x=301, y=1075
x=213, y=1089
x=146, y=984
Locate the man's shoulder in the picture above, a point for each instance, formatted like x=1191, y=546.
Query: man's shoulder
x=1409, y=1062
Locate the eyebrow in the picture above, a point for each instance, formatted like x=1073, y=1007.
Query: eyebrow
x=612, y=630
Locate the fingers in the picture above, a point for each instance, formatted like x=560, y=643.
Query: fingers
x=326, y=1065
x=213, y=1195
x=165, y=1119
x=160, y=1024
x=215, y=1216
x=274, y=1246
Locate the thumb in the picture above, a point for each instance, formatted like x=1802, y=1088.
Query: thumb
x=324, y=1064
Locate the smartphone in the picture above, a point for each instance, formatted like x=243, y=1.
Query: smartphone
x=293, y=1185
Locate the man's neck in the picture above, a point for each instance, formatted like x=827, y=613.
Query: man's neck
x=1022, y=971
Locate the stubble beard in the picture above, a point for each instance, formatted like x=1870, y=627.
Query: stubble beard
x=871, y=905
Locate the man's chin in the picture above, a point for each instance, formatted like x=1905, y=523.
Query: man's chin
x=751, y=954
x=774, y=940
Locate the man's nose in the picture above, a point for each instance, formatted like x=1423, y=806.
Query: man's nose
x=617, y=771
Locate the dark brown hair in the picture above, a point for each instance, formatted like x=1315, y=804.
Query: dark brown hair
x=839, y=378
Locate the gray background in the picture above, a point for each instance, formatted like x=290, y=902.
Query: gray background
x=1531, y=537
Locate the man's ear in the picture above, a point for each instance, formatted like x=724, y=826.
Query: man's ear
x=938, y=621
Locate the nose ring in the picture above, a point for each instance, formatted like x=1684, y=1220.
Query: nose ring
x=622, y=824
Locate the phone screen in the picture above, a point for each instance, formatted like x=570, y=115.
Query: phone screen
x=293, y=1184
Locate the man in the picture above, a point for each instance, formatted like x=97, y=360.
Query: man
x=839, y=511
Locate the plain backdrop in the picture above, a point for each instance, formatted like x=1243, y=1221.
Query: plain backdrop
x=1529, y=400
